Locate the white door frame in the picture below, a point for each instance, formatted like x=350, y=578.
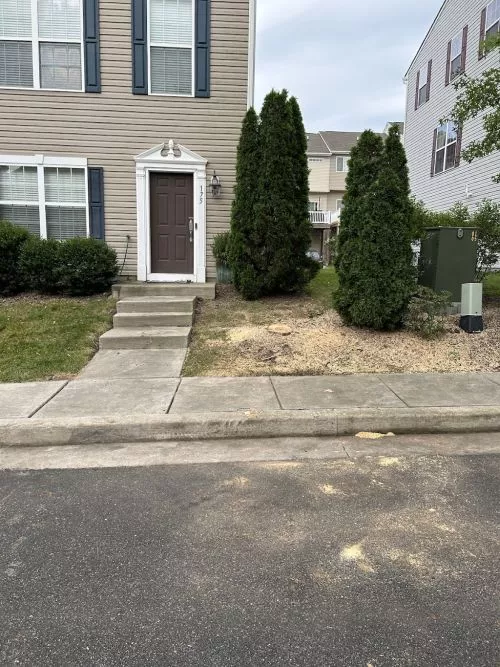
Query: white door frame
x=171, y=158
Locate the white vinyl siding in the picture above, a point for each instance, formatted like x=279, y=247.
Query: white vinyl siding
x=41, y=44
x=468, y=183
x=171, y=35
x=51, y=202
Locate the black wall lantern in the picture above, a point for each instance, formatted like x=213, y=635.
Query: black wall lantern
x=216, y=185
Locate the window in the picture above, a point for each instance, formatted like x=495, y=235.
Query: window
x=44, y=50
x=313, y=206
x=340, y=204
x=456, y=56
x=171, y=35
x=48, y=201
x=342, y=164
x=446, y=148
x=492, y=18
x=422, y=87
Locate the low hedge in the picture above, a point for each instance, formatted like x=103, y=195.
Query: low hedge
x=12, y=240
x=76, y=267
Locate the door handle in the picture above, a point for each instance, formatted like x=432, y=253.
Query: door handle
x=191, y=227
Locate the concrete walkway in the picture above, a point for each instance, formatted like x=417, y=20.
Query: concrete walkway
x=134, y=383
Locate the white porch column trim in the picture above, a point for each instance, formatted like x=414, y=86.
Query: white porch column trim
x=174, y=159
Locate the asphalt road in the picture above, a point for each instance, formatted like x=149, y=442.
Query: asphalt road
x=375, y=562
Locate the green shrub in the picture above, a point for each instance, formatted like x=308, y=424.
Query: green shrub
x=12, y=239
x=220, y=248
x=427, y=311
x=86, y=266
x=39, y=264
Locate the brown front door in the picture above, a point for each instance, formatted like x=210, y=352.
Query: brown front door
x=171, y=214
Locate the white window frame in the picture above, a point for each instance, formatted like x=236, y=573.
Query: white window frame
x=460, y=36
x=35, y=49
x=345, y=159
x=446, y=148
x=423, y=74
x=488, y=27
x=341, y=202
x=166, y=45
x=40, y=162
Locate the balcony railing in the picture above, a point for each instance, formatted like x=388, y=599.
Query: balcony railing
x=323, y=217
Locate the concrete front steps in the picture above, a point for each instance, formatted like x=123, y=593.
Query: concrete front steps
x=132, y=289
x=150, y=323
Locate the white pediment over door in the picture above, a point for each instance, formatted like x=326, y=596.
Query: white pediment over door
x=171, y=153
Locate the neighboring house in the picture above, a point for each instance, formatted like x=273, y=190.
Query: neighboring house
x=119, y=120
x=439, y=177
x=327, y=156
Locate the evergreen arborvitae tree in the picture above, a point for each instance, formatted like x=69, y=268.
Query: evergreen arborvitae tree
x=279, y=242
x=242, y=240
x=352, y=263
x=303, y=227
x=377, y=257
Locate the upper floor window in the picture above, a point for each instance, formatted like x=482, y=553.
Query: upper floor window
x=171, y=39
x=42, y=49
x=446, y=148
x=48, y=201
x=313, y=206
x=423, y=85
x=456, y=56
x=342, y=163
x=492, y=18
x=340, y=204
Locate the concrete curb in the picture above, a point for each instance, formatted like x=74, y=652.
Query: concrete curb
x=221, y=426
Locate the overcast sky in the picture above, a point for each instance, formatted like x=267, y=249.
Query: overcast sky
x=344, y=60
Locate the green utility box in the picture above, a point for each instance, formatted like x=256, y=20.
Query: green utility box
x=448, y=257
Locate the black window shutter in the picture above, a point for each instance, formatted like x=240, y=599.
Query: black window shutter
x=482, y=33
x=465, y=36
x=139, y=47
x=417, y=90
x=429, y=75
x=458, y=149
x=92, y=46
x=448, y=65
x=202, y=54
x=96, y=202
x=434, y=146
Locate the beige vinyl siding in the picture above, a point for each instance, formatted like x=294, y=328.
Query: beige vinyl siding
x=319, y=174
x=112, y=127
x=332, y=199
x=443, y=190
x=337, y=178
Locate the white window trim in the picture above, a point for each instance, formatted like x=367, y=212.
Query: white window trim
x=341, y=201
x=188, y=162
x=344, y=163
x=174, y=46
x=445, y=149
x=35, y=48
x=459, y=55
x=488, y=27
x=40, y=162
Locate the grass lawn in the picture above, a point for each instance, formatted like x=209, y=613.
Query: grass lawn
x=492, y=285
x=233, y=337
x=44, y=338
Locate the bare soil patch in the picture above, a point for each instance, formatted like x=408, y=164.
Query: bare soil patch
x=233, y=337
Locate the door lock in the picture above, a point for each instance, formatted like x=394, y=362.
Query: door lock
x=191, y=227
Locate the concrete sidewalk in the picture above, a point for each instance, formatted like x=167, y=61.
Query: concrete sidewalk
x=139, y=409
x=160, y=395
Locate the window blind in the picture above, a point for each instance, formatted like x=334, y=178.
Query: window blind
x=171, y=71
x=59, y=19
x=15, y=19
x=172, y=22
